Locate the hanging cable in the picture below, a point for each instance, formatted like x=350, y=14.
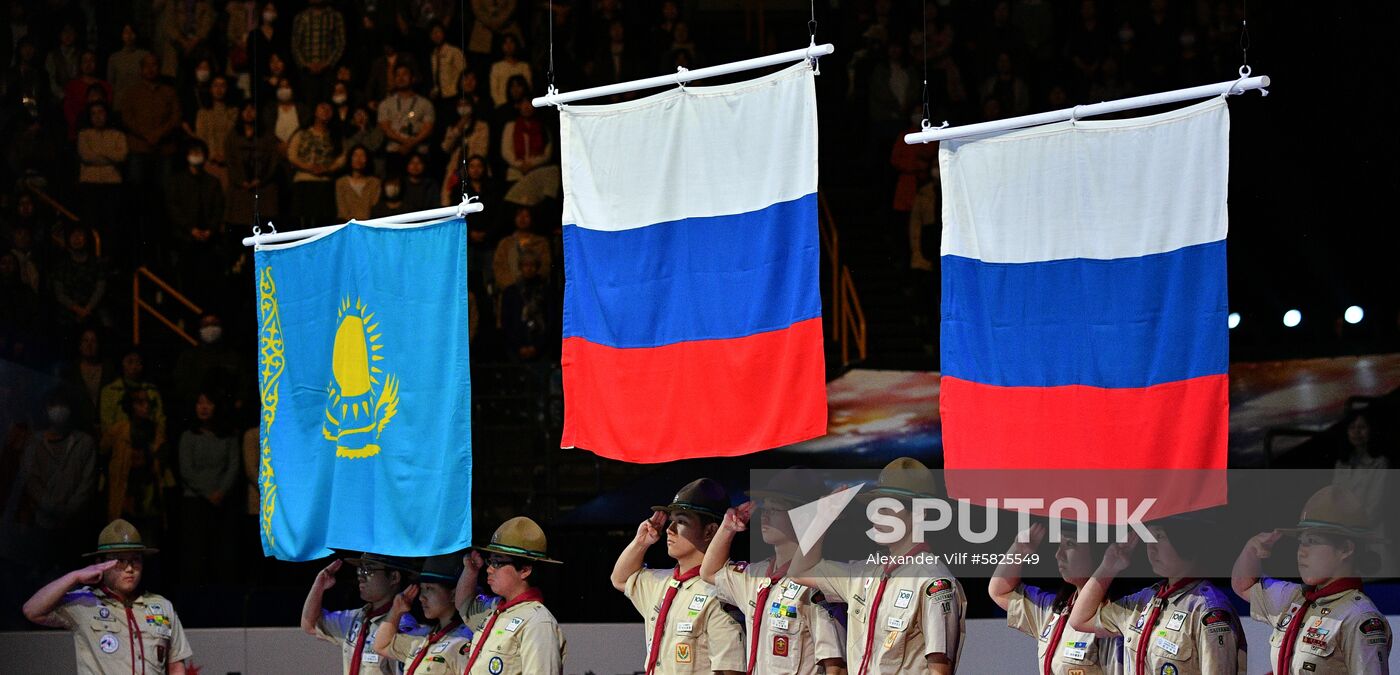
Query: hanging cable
x=1244, y=36
x=462, y=142
x=549, y=72
x=257, y=137
x=812, y=36
x=928, y=116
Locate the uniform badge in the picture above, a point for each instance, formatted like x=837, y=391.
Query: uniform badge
x=740, y=566
x=496, y=665
x=463, y=649
x=439, y=648
x=1178, y=618
x=1076, y=671
x=1326, y=611
x=685, y=628
x=1076, y=650
x=1168, y=669
x=108, y=643
x=890, y=638
x=1167, y=646
x=160, y=653
x=1310, y=666
x=1371, y=626
x=104, y=613
x=781, y=623
x=684, y=654
x=1215, y=616
x=698, y=601
x=792, y=590
x=369, y=657
x=897, y=623
x=514, y=624
x=780, y=645
x=156, y=609
x=938, y=586
x=1288, y=618
x=902, y=600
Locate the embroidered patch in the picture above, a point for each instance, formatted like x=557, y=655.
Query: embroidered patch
x=369, y=657
x=156, y=609
x=463, y=649
x=1178, y=618
x=160, y=653
x=739, y=565
x=1288, y=618
x=1310, y=666
x=889, y=639
x=104, y=613
x=514, y=624
x=157, y=620
x=780, y=645
x=938, y=586
x=1168, y=669
x=683, y=653
x=902, y=601
x=496, y=665
x=439, y=648
x=1045, y=632
x=897, y=623
x=1076, y=671
x=698, y=601
x=1076, y=650
x=1214, y=616
x=1372, y=625
x=108, y=643
x=792, y=590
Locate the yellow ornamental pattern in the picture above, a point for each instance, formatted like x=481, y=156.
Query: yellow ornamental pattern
x=271, y=361
x=361, y=398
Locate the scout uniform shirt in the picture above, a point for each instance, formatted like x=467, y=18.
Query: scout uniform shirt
x=1196, y=631
x=355, y=634
x=698, y=635
x=514, y=638
x=437, y=653
x=111, y=637
x=1031, y=611
x=897, y=614
x=794, y=634
x=1342, y=632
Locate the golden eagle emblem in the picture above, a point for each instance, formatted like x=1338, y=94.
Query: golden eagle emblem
x=361, y=398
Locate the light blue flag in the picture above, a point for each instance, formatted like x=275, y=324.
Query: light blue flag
x=363, y=350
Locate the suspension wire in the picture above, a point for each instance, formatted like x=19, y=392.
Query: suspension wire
x=1244, y=36
x=462, y=141
x=549, y=72
x=812, y=24
x=923, y=21
x=253, y=78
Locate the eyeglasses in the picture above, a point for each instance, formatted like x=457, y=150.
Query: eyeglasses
x=1313, y=540
x=497, y=562
x=123, y=561
x=367, y=572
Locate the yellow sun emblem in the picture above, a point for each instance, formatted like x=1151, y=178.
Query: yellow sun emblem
x=361, y=398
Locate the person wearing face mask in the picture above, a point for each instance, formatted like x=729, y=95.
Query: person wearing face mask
x=688, y=630
x=208, y=458
x=195, y=206
x=340, y=106
x=58, y=475
x=381, y=578
x=267, y=39
x=1044, y=613
x=446, y=648
x=514, y=633
x=283, y=116
x=1182, y=624
x=467, y=136
x=1326, y=624
x=391, y=204
x=117, y=627
x=213, y=362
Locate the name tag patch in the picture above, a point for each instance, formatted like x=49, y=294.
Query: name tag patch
x=369, y=657
x=685, y=627
x=1076, y=650
x=781, y=623
x=1167, y=646
x=897, y=623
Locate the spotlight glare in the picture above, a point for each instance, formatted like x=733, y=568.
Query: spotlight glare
x=1292, y=318
x=1354, y=314
x=1234, y=320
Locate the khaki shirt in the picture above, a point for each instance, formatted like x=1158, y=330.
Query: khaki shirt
x=921, y=612
x=525, y=639
x=1197, y=631
x=345, y=627
x=446, y=656
x=795, y=634
x=699, y=637
x=1031, y=611
x=112, y=638
x=1344, y=633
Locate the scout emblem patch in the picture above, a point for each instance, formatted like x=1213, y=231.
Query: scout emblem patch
x=108, y=644
x=683, y=653
x=1372, y=625
x=938, y=586
x=1168, y=669
x=496, y=665
x=780, y=645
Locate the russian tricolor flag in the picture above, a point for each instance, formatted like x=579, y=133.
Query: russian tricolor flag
x=692, y=305
x=1084, y=295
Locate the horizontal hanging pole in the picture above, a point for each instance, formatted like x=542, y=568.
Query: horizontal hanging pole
x=402, y=219
x=1081, y=111
x=682, y=76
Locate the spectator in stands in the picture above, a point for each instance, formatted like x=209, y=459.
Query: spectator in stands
x=183, y=33
x=924, y=222
x=62, y=63
x=469, y=90
x=407, y=120
x=357, y=192
x=242, y=20
x=209, y=466
x=526, y=308
x=517, y=90
x=1362, y=469
x=101, y=152
x=447, y=63
x=419, y=193
x=381, y=73
x=79, y=282
x=467, y=134
x=26, y=81
x=151, y=113
x=284, y=116
x=267, y=40
x=521, y=243
x=114, y=393
x=479, y=185
x=75, y=93
x=681, y=48
x=210, y=366
x=317, y=153
x=507, y=67
x=137, y=474
x=893, y=88
x=212, y=125
x=1007, y=88
x=272, y=77
x=362, y=131
x=911, y=164
x=194, y=91
x=124, y=65
x=318, y=41
x=22, y=245
x=1087, y=45
x=252, y=169
x=528, y=150
x=58, y=473
x=195, y=207
x=615, y=61
x=19, y=313
x=663, y=34
x=494, y=19
x=85, y=376
x=341, y=106
x=391, y=203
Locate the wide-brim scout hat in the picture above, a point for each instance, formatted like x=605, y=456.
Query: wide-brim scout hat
x=519, y=537
x=1335, y=511
x=703, y=496
x=120, y=537
x=904, y=478
x=392, y=562
x=442, y=569
x=793, y=486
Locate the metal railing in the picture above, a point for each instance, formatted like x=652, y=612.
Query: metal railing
x=847, y=316
x=138, y=305
x=68, y=214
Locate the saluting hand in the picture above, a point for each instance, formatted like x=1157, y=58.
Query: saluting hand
x=1262, y=544
x=736, y=519
x=403, y=602
x=649, y=532
x=1118, y=556
x=326, y=577
x=93, y=573
x=472, y=563
x=1030, y=539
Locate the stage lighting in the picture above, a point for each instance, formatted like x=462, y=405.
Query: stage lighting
x=1292, y=318
x=1234, y=320
x=1354, y=314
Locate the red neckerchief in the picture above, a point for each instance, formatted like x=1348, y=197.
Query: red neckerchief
x=659, y=630
x=875, y=607
x=433, y=637
x=1059, y=632
x=1290, y=636
x=136, y=644
x=1158, y=602
x=370, y=615
x=485, y=633
x=760, y=609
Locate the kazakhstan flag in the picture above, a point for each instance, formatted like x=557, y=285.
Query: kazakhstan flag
x=363, y=350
